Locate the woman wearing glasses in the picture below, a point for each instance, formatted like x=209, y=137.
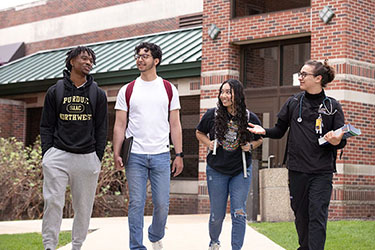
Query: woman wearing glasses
x=310, y=115
x=229, y=160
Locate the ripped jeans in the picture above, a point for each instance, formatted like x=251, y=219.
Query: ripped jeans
x=219, y=186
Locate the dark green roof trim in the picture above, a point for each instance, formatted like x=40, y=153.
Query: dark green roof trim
x=182, y=52
x=26, y=87
x=191, y=69
x=182, y=70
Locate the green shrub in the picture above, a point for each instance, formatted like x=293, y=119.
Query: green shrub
x=21, y=182
x=111, y=182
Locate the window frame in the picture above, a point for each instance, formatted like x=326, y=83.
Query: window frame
x=279, y=44
x=233, y=10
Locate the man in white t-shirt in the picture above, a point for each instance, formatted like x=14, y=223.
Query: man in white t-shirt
x=149, y=107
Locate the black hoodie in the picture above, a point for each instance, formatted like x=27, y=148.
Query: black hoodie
x=70, y=124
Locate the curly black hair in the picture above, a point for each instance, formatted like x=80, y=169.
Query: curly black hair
x=154, y=48
x=73, y=53
x=240, y=113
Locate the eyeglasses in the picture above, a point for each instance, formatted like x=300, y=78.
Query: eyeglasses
x=144, y=56
x=304, y=74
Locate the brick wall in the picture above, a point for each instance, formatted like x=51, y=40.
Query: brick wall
x=353, y=196
x=178, y=204
x=12, y=119
x=350, y=34
x=52, y=9
x=218, y=54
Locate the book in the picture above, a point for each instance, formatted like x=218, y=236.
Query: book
x=126, y=149
x=348, y=129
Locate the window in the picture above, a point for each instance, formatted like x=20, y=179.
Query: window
x=261, y=67
x=274, y=64
x=190, y=109
x=293, y=57
x=242, y=8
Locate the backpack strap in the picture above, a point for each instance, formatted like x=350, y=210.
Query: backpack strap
x=296, y=102
x=59, y=93
x=167, y=86
x=93, y=95
x=128, y=94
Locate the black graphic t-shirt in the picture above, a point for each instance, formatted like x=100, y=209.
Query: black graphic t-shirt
x=231, y=142
x=228, y=158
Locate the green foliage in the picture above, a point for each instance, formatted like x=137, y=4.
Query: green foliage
x=112, y=182
x=21, y=182
x=29, y=241
x=349, y=235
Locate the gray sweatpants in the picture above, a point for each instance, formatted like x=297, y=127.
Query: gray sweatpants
x=81, y=172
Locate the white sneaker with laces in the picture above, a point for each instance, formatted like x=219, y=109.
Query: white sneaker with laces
x=214, y=246
x=158, y=245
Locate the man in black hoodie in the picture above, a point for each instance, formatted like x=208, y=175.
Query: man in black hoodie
x=73, y=131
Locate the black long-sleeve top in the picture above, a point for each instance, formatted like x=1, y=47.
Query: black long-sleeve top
x=72, y=123
x=304, y=152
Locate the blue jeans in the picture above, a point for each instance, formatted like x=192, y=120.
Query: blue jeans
x=219, y=186
x=141, y=167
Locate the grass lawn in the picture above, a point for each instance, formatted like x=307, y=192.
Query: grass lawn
x=29, y=241
x=348, y=235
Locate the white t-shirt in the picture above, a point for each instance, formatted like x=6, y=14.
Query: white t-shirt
x=148, y=116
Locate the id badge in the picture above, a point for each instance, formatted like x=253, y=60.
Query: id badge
x=319, y=125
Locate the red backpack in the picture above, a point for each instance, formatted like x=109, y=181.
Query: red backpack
x=167, y=86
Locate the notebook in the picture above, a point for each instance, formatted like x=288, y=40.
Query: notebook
x=348, y=129
x=125, y=150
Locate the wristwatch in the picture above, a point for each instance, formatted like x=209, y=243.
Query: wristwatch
x=251, y=147
x=180, y=154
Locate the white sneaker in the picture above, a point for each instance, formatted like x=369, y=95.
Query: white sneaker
x=158, y=245
x=214, y=246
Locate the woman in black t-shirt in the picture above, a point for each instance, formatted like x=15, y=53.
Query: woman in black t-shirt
x=228, y=125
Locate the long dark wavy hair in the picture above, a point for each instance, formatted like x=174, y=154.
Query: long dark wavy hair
x=240, y=117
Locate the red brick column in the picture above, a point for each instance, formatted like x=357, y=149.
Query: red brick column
x=12, y=119
x=348, y=41
x=220, y=61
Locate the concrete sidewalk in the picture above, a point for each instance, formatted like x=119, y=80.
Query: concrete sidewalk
x=184, y=232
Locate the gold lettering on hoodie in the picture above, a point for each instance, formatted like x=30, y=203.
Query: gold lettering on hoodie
x=75, y=107
x=75, y=99
x=75, y=117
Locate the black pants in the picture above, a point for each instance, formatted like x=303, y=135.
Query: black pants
x=310, y=195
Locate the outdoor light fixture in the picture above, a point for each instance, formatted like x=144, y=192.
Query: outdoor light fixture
x=213, y=31
x=326, y=14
